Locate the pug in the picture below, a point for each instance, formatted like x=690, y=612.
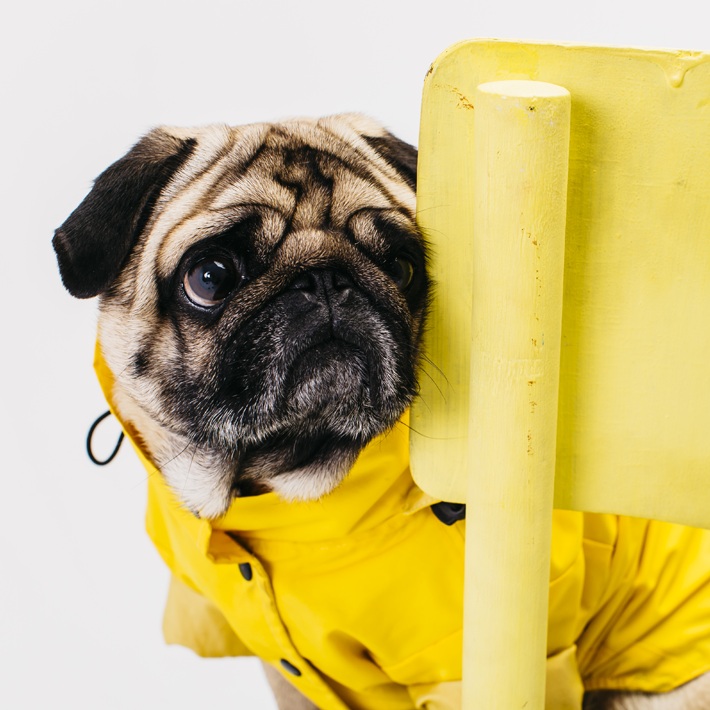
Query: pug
x=263, y=291
x=262, y=298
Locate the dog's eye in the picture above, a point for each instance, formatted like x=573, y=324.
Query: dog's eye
x=209, y=281
x=402, y=271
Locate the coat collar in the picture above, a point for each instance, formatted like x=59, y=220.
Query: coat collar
x=378, y=487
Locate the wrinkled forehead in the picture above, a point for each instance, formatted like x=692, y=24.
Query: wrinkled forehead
x=294, y=177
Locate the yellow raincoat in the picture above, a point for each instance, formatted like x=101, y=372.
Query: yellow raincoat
x=358, y=598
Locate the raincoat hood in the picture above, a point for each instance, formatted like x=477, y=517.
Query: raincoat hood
x=358, y=597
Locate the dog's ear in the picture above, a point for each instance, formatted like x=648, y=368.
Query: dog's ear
x=400, y=155
x=95, y=241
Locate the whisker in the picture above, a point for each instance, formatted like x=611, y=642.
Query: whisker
x=120, y=374
x=423, y=401
x=159, y=469
x=435, y=207
x=187, y=476
x=433, y=438
x=435, y=385
x=429, y=230
x=426, y=358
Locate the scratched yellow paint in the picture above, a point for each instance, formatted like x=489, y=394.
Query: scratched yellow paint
x=633, y=430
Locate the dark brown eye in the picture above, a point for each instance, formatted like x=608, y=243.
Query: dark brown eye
x=402, y=272
x=210, y=281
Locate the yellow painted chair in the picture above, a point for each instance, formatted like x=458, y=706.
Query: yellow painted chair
x=565, y=191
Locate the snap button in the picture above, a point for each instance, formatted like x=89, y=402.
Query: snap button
x=245, y=569
x=289, y=667
x=449, y=513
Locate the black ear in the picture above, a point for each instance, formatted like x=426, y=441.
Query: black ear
x=94, y=242
x=400, y=155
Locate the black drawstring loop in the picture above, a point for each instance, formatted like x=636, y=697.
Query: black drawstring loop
x=88, y=442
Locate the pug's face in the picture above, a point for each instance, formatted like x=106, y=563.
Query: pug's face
x=263, y=290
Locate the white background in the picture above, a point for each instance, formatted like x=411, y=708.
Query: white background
x=81, y=588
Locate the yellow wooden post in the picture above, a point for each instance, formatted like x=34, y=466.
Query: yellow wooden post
x=520, y=190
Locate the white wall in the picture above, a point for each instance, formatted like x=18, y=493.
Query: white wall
x=81, y=587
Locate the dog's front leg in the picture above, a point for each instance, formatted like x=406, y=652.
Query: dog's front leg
x=694, y=695
x=287, y=697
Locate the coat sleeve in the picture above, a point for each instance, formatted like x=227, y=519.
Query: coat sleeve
x=192, y=621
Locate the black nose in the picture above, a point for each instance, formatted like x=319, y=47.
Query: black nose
x=329, y=286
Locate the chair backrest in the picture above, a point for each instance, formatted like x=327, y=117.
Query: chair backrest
x=633, y=434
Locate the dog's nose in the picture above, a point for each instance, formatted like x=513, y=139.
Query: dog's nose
x=326, y=285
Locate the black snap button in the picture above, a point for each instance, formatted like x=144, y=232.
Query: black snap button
x=289, y=667
x=245, y=569
x=449, y=513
